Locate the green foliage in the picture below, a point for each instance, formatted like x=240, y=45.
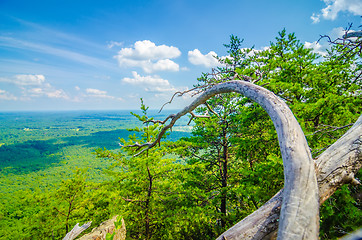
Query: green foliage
x=37, y=168
x=194, y=188
x=146, y=185
x=341, y=213
x=46, y=214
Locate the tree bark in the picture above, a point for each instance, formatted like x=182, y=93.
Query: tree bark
x=224, y=182
x=147, y=205
x=335, y=166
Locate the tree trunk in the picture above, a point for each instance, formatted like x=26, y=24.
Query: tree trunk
x=224, y=179
x=335, y=166
x=147, y=204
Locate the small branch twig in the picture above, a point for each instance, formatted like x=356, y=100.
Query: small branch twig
x=334, y=128
x=196, y=116
x=159, y=121
x=211, y=110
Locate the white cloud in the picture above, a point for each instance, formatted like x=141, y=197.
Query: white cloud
x=96, y=93
x=330, y=12
x=36, y=91
x=148, y=50
x=160, y=89
x=337, y=33
x=164, y=65
x=315, y=18
x=4, y=95
x=29, y=79
x=25, y=80
x=146, y=80
x=112, y=44
x=34, y=85
x=150, y=83
x=47, y=91
x=208, y=60
x=57, y=93
x=77, y=88
x=148, y=56
x=317, y=47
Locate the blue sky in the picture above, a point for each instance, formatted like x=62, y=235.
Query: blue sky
x=102, y=55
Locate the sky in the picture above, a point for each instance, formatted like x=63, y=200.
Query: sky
x=106, y=55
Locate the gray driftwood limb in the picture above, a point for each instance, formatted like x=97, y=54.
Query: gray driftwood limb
x=76, y=231
x=335, y=166
x=353, y=34
x=356, y=235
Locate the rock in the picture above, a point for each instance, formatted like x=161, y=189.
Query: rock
x=99, y=233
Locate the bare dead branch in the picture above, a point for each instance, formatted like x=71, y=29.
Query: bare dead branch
x=326, y=127
x=357, y=34
x=131, y=200
x=138, y=145
x=211, y=110
x=179, y=94
x=196, y=116
x=161, y=122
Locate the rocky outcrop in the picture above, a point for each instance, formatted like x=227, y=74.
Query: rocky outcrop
x=99, y=233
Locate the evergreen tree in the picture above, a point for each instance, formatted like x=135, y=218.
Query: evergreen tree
x=145, y=184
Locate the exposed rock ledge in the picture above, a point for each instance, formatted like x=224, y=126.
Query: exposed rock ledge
x=99, y=233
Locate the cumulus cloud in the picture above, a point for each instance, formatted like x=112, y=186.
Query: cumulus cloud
x=208, y=60
x=29, y=79
x=163, y=65
x=148, y=50
x=35, y=85
x=96, y=93
x=149, y=57
x=58, y=93
x=338, y=32
x=45, y=90
x=330, y=12
x=316, y=47
x=25, y=79
x=4, y=95
x=150, y=83
x=145, y=80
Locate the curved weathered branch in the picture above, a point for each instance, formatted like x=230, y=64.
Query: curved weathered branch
x=353, y=34
x=300, y=208
x=335, y=166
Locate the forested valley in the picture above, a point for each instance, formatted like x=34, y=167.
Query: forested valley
x=204, y=177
